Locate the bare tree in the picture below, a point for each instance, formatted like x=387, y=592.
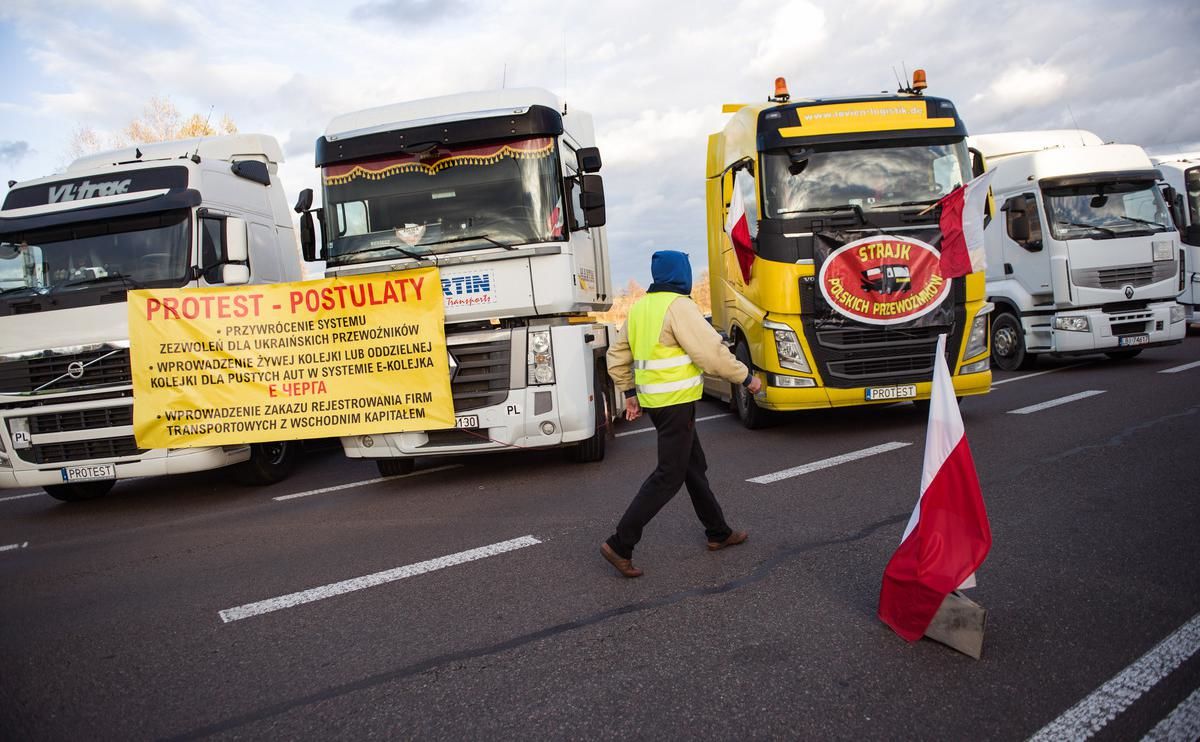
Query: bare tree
x=159, y=121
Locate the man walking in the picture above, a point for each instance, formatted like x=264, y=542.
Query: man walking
x=656, y=362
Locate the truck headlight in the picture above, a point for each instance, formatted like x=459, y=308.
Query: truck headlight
x=787, y=348
x=1163, y=250
x=1072, y=324
x=977, y=338
x=976, y=367
x=541, y=358
x=1177, y=313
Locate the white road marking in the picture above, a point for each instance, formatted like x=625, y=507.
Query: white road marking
x=365, y=482
x=1090, y=715
x=651, y=428
x=826, y=463
x=21, y=497
x=10, y=547
x=1181, y=724
x=1056, y=402
x=379, y=578
x=1039, y=373
x=1184, y=367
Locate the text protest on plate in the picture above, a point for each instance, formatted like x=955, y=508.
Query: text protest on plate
x=317, y=359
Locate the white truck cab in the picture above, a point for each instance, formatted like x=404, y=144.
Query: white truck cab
x=1181, y=188
x=498, y=190
x=188, y=213
x=1083, y=256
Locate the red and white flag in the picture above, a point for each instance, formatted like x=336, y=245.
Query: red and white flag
x=962, y=227
x=948, y=536
x=554, y=220
x=738, y=227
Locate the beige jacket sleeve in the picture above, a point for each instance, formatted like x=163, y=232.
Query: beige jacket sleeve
x=686, y=327
x=620, y=361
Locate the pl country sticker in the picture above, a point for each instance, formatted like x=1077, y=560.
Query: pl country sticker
x=883, y=280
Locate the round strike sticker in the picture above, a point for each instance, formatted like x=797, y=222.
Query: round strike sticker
x=883, y=280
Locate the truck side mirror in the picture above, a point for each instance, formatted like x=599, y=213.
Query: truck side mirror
x=978, y=165
x=589, y=159
x=591, y=200
x=1018, y=225
x=308, y=237
x=304, y=201
x=235, y=274
x=236, y=243
x=1191, y=234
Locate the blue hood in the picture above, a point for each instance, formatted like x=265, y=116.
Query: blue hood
x=671, y=271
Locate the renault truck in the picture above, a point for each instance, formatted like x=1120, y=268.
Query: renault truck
x=1084, y=257
x=1181, y=189
x=188, y=213
x=499, y=191
x=837, y=298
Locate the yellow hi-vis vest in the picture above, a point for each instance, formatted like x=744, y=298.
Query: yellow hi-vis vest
x=663, y=375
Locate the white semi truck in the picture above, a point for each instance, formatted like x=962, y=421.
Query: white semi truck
x=1181, y=188
x=188, y=213
x=498, y=190
x=1083, y=257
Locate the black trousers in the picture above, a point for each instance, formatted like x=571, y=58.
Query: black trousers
x=680, y=461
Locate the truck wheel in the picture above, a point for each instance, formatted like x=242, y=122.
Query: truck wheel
x=748, y=411
x=1008, y=344
x=592, y=449
x=1123, y=355
x=395, y=467
x=78, y=491
x=270, y=462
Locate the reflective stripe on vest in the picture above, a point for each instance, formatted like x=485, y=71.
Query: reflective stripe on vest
x=663, y=375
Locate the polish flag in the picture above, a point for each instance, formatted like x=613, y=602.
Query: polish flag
x=738, y=227
x=962, y=223
x=947, y=537
x=554, y=220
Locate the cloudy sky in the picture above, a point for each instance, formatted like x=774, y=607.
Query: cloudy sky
x=654, y=74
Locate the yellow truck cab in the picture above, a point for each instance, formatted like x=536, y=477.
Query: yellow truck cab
x=838, y=298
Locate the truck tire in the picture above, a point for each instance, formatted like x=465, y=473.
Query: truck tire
x=395, y=467
x=270, y=462
x=592, y=449
x=1123, y=355
x=1008, y=344
x=748, y=411
x=79, y=491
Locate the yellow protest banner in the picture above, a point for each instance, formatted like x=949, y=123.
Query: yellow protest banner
x=314, y=359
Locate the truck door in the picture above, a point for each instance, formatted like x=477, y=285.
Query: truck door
x=1026, y=259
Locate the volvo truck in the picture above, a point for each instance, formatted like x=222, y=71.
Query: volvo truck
x=1084, y=257
x=499, y=190
x=837, y=299
x=188, y=213
x=1181, y=189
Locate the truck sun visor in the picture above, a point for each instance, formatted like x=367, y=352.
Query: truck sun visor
x=182, y=199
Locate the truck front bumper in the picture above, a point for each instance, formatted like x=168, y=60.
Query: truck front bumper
x=785, y=400
x=153, y=463
x=1149, y=327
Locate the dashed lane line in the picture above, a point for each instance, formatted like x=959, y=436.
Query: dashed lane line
x=13, y=547
x=651, y=428
x=1056, y=402
x=22, y=497
x=1038, y=373
x=292, y=600
x=1184, y=367
x=827, y=463
x=1090, y=715
x=1181, y=724
x=363, y=483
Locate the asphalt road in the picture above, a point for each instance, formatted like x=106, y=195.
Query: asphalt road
x=149, y=614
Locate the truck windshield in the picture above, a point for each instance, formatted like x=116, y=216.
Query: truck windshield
x=800, y=180
x=1192, y=179
x=1107, y=210
x=138, y=252
x=444, y=199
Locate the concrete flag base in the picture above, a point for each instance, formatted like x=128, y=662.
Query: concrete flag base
x=959, y=624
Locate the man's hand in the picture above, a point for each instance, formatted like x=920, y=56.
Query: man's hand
x=755, y=385
x=633, y=410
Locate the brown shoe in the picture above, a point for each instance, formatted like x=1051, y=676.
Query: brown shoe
x=734, y=539
x=624, y=566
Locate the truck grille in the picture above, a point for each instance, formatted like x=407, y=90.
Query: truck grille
x=844, y=338
x=50, y=371
x=1125, y=275
x=484, y=373
x=75, y=451
x=103, y=417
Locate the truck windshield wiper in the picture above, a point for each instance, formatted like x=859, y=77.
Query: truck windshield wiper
x=484, y=237
x=377, y=248
x=1161, y=228
x=926, y=202
x=1087, y=225
x=14, y=289
x=101, y=279
x=825, y=210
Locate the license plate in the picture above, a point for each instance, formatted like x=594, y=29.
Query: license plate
x=904, y=391
x=466, y=421
x=88, y=473
x=1126, y=341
